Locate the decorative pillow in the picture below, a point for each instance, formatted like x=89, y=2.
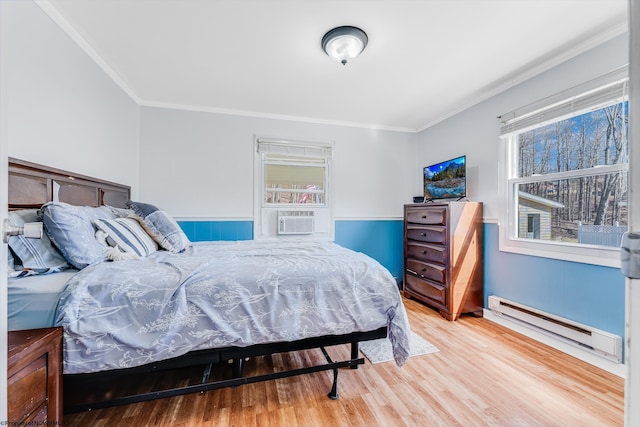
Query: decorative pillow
x=70, y=228
x=161, y=226
x=120, y=212
x=38, y=255
x=127, y=235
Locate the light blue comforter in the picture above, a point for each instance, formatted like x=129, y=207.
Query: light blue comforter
x=218, y=294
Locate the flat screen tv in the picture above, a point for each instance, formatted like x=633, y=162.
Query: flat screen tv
x=446, y=180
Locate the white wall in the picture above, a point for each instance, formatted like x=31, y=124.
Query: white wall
x=62, y=109
x=199, y=165
x=474, y=132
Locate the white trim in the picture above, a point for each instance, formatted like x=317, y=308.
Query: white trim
x=65, y=26
x=576, y=173
x=209, y=218
x=370, y=218
x=285, y=117
x=485, y=220
x=632, y=286
x=618, y=369
x=601, y=255
x=4, y=196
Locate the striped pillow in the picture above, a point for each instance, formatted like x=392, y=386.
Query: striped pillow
x=37, y=255
x=127, y=235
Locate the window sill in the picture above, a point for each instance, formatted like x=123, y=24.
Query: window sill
x=595, y=255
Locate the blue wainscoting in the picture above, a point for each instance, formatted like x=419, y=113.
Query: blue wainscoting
x=588, y=294
x=380, y=239
x=199, y=231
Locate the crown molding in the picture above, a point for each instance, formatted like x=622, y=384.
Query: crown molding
x=258, y=115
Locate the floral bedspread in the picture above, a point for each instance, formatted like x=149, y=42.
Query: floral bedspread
x=218, y=294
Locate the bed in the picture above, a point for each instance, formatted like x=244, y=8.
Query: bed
x=168, y=302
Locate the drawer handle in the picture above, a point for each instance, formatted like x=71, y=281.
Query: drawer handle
x=423, y=234
x=423, y=270
x=424, y=252
x=424, y=217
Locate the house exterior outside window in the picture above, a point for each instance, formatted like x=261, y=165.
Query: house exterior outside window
x=564, y=184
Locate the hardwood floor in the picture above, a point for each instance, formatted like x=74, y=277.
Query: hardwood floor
x=483, y=375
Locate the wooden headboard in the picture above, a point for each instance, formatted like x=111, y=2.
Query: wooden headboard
x=31, y=185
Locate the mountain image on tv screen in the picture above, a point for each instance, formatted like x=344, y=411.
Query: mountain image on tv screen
x=445, y=180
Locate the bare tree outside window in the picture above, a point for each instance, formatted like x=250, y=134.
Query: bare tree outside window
x=573, y=174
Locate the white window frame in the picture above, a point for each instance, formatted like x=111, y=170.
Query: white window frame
x=264, y=212
x=566, y=104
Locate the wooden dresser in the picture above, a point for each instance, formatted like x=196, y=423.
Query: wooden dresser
x=34, y=374
x=443, y=265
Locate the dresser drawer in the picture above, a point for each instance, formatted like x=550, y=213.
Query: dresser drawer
x=27, y=389
x=424, y=252
x=427, y=234
x=437, y=273
x=424, y=288
x=428, y=216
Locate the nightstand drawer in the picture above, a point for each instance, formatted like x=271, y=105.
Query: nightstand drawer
x=27, y=389
x=34, y=376
x=424, y=288
x=426, y=252
x=432, y=215
x=427, y=234
x=425, y=270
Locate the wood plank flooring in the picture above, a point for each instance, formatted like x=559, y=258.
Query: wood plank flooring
x=483, y=375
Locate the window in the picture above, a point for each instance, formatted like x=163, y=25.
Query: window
x=565, y=183
x=294, y=180
x=292, y=176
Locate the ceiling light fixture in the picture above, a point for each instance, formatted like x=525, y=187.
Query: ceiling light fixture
x=344, y=43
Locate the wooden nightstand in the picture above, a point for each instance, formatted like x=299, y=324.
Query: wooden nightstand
x=34, y=376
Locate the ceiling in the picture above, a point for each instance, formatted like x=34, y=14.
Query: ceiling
x=426, y=59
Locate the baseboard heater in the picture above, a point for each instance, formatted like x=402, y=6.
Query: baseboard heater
x=600, y=342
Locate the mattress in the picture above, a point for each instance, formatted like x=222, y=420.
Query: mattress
x=33, y=299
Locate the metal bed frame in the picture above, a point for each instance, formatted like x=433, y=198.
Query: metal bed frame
x=207, y=358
